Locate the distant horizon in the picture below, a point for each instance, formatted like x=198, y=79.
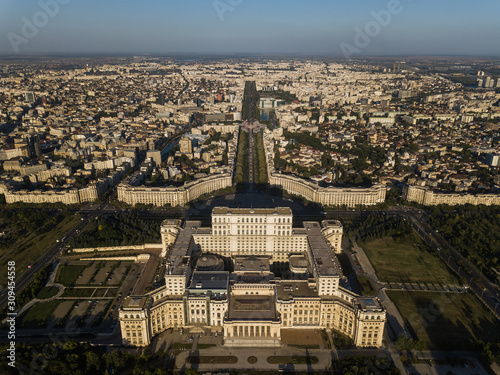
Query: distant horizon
x=236, y=54
x=220, y=27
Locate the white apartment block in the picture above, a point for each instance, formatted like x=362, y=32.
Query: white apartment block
x=425, y=196
x=131, y=192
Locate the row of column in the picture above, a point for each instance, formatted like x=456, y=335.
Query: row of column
x=251, y=331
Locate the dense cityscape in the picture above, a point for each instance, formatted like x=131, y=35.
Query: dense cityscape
x=333, y=125
x=247, y=187
x=184, y=151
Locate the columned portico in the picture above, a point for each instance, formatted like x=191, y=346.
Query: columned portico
x=252, y=333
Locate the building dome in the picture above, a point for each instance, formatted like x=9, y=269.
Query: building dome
x=209, y=262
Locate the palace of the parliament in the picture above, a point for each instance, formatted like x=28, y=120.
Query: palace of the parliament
x=248, y=277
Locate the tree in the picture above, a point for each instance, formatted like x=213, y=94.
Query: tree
x=93, y=361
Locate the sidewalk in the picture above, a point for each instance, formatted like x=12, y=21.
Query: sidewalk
x=394, y=318
x=324, y=358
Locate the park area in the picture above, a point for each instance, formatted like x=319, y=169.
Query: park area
x=30, y=246
x=446, y=321
x=406, y=261
x=97, y=273
x=92, y=292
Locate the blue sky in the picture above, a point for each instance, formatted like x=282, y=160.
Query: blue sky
x=442, y=27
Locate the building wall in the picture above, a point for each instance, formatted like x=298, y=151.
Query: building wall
x=276, y=247
x=134, y=326
x=333, y=234
x=369, y=328
x=328, y=306
x=174, y=196
x=426, y=197
x=329, y=196
x=169, y=314
x=66, y=196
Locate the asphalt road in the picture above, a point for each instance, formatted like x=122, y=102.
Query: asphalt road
x=24, y=278
x=478, y=283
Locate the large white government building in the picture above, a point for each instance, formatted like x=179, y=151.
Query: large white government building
x=248, y=277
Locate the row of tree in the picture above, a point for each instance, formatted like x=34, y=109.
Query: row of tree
x=375, y=226
x=72, y=358
x=474, y=231
x=118, y=229
x=260, y=160
x=241, y=159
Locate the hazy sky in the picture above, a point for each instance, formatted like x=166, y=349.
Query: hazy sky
x=444, y=27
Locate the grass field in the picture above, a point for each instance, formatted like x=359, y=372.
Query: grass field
x=296, y=359
x=78, y=292
x=26, y=253
x=90, y=292
x=366, y=286
x=36, y=316
x=47, y=292
x=212, y=359
x=68, y=274
x=405, y=262
x=446, y=321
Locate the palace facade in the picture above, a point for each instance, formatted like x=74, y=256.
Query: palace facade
x=248, y=277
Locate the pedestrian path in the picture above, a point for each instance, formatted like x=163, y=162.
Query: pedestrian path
x=50, y=283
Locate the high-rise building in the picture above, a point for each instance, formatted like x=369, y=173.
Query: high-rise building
x=155, y=155
x=161, y=99
x=186, y=146
x=30, y=96
x=493, y=160
x=487, y=82
x=34, y=148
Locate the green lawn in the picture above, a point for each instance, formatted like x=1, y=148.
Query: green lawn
x=366, y=286
x=47, y=292
x=68, y=274
x=446, y=321
x=405, y=262
x=296, y=359
x=212, y=359
x=78, y=292
x=36, y=316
